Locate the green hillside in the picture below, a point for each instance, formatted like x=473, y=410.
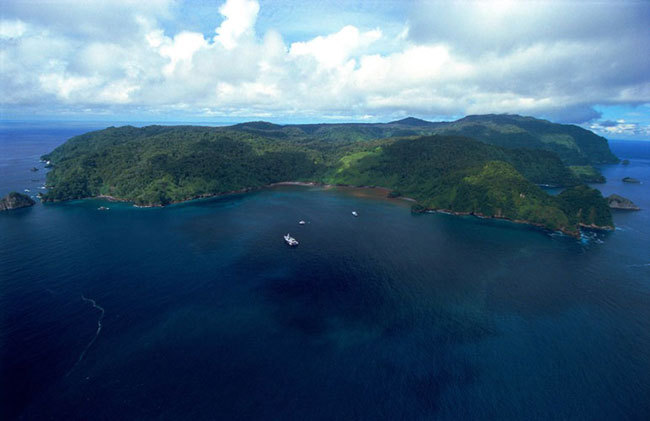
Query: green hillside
x=159, y=165
x=463, y=175
x=573, y=144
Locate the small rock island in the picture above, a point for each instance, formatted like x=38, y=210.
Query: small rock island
x=619, y=202
x=630, y=180
x=15, y=201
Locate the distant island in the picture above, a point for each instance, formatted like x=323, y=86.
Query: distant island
x=630, y=180
x=489, y=165
x=15, y=200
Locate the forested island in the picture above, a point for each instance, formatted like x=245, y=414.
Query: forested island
x=490, y=165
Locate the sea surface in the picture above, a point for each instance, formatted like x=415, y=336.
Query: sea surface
x=200, y=311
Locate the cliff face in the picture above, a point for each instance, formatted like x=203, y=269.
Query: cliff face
x=15, y=201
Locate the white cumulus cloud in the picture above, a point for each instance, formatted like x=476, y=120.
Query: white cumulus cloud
x=240, y=17
x=123, y=55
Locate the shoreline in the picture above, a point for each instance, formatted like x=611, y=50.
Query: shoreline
x=575, y=234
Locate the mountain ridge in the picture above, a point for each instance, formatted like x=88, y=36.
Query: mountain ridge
x=575, y=145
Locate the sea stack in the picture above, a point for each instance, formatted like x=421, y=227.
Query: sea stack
x=630, y=180
x=619, y=202
x=15, y=201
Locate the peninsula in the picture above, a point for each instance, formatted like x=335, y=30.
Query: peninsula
x=488, y=165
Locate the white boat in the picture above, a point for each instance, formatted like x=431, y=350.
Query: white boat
x=354, y=213
x=290, y=240
x=103, y=208
x=302, y=222
x=27, y=190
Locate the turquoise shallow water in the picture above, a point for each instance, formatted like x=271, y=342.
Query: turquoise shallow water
x=208, y=315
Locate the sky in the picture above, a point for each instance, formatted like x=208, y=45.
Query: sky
x=578, y=62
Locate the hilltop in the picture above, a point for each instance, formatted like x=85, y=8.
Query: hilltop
x=573, y=144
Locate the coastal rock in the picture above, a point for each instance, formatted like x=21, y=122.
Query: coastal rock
x=619, y=202
x=630, y=180
x=15, y=201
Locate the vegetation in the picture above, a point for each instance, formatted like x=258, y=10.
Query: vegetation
x=465, y=176
x=573, y=144
x=585, y=206
x=159, y=165
x=587, y=174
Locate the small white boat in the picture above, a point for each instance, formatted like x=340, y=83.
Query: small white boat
x=302, y=222
x=27, y=190
x=103, y=208
x=354, y=213
x=290, y=240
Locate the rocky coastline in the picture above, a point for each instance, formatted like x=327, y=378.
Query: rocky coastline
x=571, y=233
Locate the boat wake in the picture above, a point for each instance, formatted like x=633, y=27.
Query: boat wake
x=99, y=329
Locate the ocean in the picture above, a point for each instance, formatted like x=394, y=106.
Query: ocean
x=200, y=311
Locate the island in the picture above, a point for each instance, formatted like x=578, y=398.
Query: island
x=619, y=202
x=630, y=180
x=489, y=166
x=15, y=200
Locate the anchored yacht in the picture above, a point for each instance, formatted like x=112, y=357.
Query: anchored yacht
x=302, y=222
x=354, y=213
x=290, y=240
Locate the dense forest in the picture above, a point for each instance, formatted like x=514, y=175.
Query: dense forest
x=158, y=165
x=466, y=176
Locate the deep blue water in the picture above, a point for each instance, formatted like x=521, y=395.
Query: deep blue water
x=206, y=314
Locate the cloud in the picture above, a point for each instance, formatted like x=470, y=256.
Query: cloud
x=179, y=50
x=553, y=59
x=335, y=49
x=12, y=29
x=240, y=17
x=620, y=128
x=608, y=123
x=106, y=19
x=474, y=27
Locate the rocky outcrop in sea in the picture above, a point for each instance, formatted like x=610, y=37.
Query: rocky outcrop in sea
x=619, y=202
x=630, y=180
x=15, y=201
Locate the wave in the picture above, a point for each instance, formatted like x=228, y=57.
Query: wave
x=641, y=265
